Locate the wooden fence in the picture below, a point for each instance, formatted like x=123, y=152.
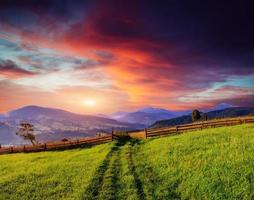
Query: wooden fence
x=153, y=132
x=57, y=145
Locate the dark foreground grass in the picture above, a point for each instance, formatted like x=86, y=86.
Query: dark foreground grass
x=210, y=164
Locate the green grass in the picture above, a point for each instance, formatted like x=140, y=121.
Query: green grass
x=209, y=164
x=49, y=175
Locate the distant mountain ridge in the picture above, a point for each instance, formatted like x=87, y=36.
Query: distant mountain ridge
x=147, y=115
x=150, y=115
x=56, y=124
x=222, y=113
x=30, y=112
x=220, y=106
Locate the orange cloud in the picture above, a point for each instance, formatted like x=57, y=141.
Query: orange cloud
x=143, y=68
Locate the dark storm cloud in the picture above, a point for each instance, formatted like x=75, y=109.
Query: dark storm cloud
x=222, y=30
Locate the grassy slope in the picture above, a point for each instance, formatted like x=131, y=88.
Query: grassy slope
x=209, y=164
x=49, y=175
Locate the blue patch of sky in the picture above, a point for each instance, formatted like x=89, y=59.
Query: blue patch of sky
x=237, y=81
x=46, y=58
x=8, y=49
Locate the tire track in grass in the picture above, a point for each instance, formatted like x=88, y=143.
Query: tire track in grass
x=116, y=170
x=111, y=179
x=126, y=187
x=107, y=182
x=132, y=168
x=94, y=187
x=151, y=178
x=146, y=179
x=105, y=178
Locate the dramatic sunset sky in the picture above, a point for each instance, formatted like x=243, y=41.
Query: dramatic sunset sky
x=106, y=56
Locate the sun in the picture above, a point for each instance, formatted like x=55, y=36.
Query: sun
x=89, y=102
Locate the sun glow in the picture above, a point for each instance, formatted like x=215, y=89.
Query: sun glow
x=89, y=102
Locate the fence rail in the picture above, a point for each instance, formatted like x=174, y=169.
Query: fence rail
x=196, y=126
x=57, y=145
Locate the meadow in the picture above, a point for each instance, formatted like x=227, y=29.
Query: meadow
x=215, y=163
x=49, y=175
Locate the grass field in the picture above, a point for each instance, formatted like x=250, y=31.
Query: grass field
x=209, y=164
x=49, y=175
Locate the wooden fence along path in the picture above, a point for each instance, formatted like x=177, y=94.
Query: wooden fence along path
x=153, y=132
x=82, y=142
x=146, y=133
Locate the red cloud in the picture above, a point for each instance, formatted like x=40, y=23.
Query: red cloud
x=152, y=71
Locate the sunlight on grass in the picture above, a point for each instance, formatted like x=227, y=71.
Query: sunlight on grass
x=49, y=175
x=209, y=164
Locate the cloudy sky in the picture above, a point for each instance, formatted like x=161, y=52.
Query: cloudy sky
x=106, y=56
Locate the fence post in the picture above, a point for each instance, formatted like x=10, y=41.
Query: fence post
x=176, y=129
x=11, y=149
x=145, y=132
x=24, y=148
x=112, y=134
x=45, y=146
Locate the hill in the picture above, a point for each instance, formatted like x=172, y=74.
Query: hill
x=220, y=106
x=147, y=116
x=216, y=114
x=209, y=164
x=54, y=124
x=150, y=115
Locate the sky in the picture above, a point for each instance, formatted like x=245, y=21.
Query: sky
x=107, y=56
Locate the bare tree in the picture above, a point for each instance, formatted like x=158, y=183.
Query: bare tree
x=26, y=131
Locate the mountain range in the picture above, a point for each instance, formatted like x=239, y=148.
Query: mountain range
x=214, y=114
x=150, y=115
x=55, y=124
x=147, y=115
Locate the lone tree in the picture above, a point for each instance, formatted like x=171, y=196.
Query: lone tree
x=195, y=115
x=26, y=131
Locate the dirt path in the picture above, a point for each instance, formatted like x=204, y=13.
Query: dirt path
x=116, y=178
